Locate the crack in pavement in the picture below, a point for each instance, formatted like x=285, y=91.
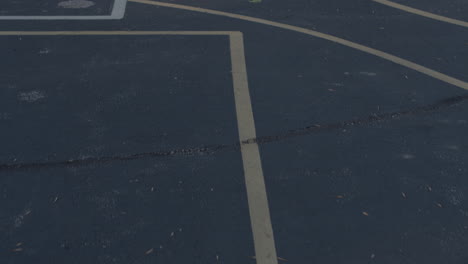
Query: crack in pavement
x=210, y=149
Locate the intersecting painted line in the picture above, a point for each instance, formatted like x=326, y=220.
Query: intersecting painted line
x=264, y=242
x=378, y=53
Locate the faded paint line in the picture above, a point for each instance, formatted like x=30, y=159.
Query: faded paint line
x=117, y=32
x=76, y=4
x=118, y=11
x=55, y=17
x=422, y=13
x=406, y=63
x=262, y=230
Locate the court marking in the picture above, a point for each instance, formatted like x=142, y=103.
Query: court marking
x=265, y=250
x=260, y=220
x=422, y=13
x=110, y=33
x=118, y=12
x=386, y=56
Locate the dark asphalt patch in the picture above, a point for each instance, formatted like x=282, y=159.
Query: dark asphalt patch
x=114, y=94
x=182, y=210
x=386, y=192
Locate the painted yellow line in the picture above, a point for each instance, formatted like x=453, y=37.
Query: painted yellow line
x=422, y=13
x=262, y=230
x=375, y=52
x=117, y=32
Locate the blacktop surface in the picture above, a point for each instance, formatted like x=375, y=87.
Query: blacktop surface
x=147, y=139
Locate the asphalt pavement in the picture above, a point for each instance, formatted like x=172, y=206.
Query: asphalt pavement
x=147, y=139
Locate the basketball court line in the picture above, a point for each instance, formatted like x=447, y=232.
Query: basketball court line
x=253, y=172
x=116, y=33
x=422, y=13
x=118, y=11
x=386, y=56
x=265, y=250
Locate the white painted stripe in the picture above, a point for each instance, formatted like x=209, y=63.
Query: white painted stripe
x=422, y=13
x=118, y=11
x=55, y=17
x=109, y=33
x=265, y=251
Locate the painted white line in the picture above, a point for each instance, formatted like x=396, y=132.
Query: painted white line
x=56, y=17
x=422, y=13
x=265, y=250
x=118, y=11
x=386, y=56
x=110, y=33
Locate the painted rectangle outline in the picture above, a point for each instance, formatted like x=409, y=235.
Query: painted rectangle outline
x=118, y=12
x=260, y=219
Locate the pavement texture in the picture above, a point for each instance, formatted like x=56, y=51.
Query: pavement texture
x=125, y=148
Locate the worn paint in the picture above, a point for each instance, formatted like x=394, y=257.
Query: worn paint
x=75, y=4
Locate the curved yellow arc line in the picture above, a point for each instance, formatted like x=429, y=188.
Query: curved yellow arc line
x=435, y=74
x=422, y=13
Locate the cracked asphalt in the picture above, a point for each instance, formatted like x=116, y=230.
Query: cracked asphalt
x=125, y=148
